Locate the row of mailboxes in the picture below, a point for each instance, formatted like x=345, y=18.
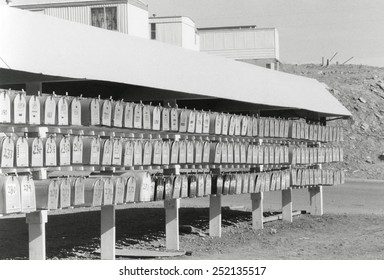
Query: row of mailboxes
x=78, y=150
x=250, y=182
x=17, y=194
x=314, y=177
x=315, y=155
x=18, y=108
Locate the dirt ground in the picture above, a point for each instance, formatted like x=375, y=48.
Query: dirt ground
x=332, y=236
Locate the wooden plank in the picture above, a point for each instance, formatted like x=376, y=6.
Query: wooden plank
x=172, y=223
x=36, y=227
x=287, y=205
x=108, y=232
x=257, y=210
x=215, y=215
x=316, y=200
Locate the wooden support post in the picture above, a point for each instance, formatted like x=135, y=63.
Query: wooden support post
x=257, y=210
x=172, y=223
x=108, y=232
x=36, y=226
x=316, y=200
x=287, y=205
x=215, y=215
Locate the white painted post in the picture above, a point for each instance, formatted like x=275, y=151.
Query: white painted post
x=215, y=215
x=108, y=232
x=316, y=200
x=287, y=205
x=172, y=223
x=257, y=210
x=36, y=226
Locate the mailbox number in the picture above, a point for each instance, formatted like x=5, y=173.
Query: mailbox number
x=11, y=189
x=8, y=153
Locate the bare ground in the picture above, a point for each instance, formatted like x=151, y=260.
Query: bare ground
x=332, y=236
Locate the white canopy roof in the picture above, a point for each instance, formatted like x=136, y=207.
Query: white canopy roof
x=40, y=44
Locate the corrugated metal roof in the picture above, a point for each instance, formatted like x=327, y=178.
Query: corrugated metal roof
x=41, y=44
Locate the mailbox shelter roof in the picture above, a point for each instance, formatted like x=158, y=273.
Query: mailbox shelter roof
x=41, y=47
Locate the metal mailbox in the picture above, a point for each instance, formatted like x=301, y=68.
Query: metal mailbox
x=10, y=199
x=199, y=122
x=48, y=111
x=47, y=194
x=225, y=124
x=77, y=191
x=36, y=152
x=230, y=156
x=147, y=117
x=22, y=152
x=198, y=151
x=128, y=153
x=143, y=187
x=183, y=152
x=233, y=184
x=77, y=150
x=138, y=116
x=90, y=111
x=62, y=111
x=91, y=151
x=117, y=113
x=175, y=152
x=64, y=193
x=108, y=191
x=245, y=187
x=184, y=186
x=34, y=110
x=75, y=111
x=208, y=184
x=7, y=151
x=147, y=156
x=176, y=187
x=27, y=194
x=5, y=107
x=19, y=108
x=165, y=155
x=131, y=190
x=252, y=179
x=137, y=153
x=159, y=191
x=183, y=121
x=168, y=187
x=106, y=112
x=244, y=126
x=191, y=124
x=128, y=115
x=200, y=191
x=64, y=151
x=192, y=186
x=190, y=152
x=165, y=119
x=217, y=185
x=156, y=118
x=119, y=184
x=226, y=184
x=157, y=152
x=238, y=125
x=117, y=152
x=93, y=192
x=174, y=119
x=206, y=122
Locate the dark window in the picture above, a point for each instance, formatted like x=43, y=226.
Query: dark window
x=104, y=17
x=153, y=31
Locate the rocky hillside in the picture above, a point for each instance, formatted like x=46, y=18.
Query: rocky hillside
x=361, y=90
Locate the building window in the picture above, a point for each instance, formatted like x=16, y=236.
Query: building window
x=104, y=17
x=153, y=31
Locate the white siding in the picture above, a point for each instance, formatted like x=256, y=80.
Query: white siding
x=137, y=22
x=82, y=14
x=240, y=43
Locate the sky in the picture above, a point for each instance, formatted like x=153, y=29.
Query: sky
x=308, y=29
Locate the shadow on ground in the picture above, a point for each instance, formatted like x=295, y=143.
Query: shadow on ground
x=75, y=232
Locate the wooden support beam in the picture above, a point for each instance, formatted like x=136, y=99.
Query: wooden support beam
x=215, y=215
x=36, y=227
x=108, y=232
x=172, y=223
x=316, y=200
x=287, y=205
x=257, y=210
